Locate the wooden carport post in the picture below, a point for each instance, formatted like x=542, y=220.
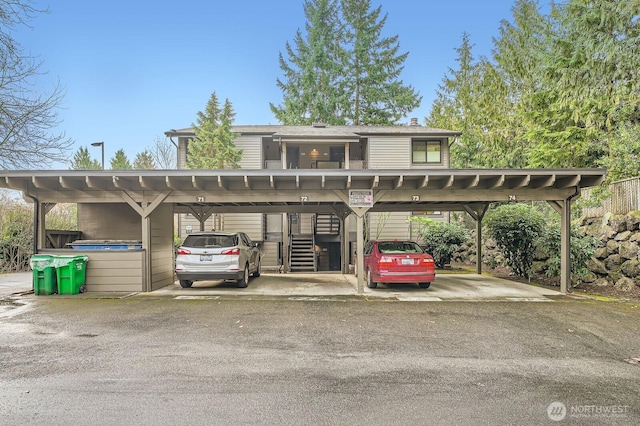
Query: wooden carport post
x=564, y=209
x=145, y=209
x=359, y=212
x=202, y=215
x=478, y=216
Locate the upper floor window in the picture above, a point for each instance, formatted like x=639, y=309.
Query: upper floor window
x=425, y=151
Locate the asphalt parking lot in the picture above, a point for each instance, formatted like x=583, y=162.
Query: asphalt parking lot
x=204, y=355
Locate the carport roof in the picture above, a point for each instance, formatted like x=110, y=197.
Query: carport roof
x=254, y=189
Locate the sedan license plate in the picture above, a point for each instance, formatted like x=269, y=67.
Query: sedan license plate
x=206, y=258
x=407, y=261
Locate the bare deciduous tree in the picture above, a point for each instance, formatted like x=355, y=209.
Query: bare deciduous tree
x=28, y=117
x=164, y=153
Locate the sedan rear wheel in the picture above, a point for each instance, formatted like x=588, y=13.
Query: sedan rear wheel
x=244, y=281
x=370, y=282
x=424, y=285
x=185, y=283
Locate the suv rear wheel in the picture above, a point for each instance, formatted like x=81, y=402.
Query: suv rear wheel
x=185, y=283
x=256, y=273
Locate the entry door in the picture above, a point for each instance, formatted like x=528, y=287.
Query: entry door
x=294, y=223
x=293, y=157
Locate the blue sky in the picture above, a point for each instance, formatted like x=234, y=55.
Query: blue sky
x=135, y=69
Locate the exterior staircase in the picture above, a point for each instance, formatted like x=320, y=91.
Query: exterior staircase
x=302, y=256
x=327, y=224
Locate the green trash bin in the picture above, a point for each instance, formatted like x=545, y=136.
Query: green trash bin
x=71, y=273
x=44, y=274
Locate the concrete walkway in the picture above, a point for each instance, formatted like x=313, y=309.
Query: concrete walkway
x=321, y=286
x=307, y=285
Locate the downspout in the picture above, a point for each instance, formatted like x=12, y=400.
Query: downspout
x=176, y=145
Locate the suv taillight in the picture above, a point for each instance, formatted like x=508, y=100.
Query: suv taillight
x=183, y=251
x=232, y=252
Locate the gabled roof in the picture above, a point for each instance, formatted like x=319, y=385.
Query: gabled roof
x=324, y=131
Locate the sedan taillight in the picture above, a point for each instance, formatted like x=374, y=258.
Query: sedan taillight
x=183, y=251
x=427, y=260
x=233, y=251
x=385, y=261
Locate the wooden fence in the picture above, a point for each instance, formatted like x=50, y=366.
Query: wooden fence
x=623, y=197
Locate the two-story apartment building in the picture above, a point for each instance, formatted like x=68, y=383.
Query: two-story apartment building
x=317, y=241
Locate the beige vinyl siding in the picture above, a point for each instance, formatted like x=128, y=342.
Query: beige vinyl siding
x=111, y=221
x=391, y=225
x=269, y=251
x=251, y=146
x=111, y=270
x=389, y=152
x=249, y=223
x=162, y=251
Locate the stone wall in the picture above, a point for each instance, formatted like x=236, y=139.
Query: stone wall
x=615, y=263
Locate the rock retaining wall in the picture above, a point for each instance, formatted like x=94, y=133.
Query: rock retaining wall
x=615, y=263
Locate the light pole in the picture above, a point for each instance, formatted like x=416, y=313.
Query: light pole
x=101, y=145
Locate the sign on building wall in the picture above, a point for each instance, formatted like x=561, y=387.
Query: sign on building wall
x=360, y=198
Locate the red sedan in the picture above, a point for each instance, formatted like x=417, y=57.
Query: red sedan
x=398, y=262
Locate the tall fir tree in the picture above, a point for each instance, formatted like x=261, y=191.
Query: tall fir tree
x=312, y=86
x=213, y=145
x=591, y=82
x=342, y=71
x=455, y=108
x=372, y=74
x=509, y=81
x=83, y=161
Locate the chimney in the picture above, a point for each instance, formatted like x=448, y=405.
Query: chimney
x=414, y=121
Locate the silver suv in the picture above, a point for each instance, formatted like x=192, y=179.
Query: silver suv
x=217, y=256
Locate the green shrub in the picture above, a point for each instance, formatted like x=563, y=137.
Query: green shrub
x=515, y=229
x=583, y=248
x=441, y=240
x=16, y=234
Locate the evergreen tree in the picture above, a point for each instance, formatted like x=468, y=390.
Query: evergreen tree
x=344, y=71
x=144, y=161
x=509, y=84
x=83, y=161
x=120, y=161
x=312, y=89
x=213, y=146
x=455, y=107
x=591, y=82
x=377, y=96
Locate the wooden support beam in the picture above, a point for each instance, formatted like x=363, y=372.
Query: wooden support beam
x=398, y=182
x=424, y=183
